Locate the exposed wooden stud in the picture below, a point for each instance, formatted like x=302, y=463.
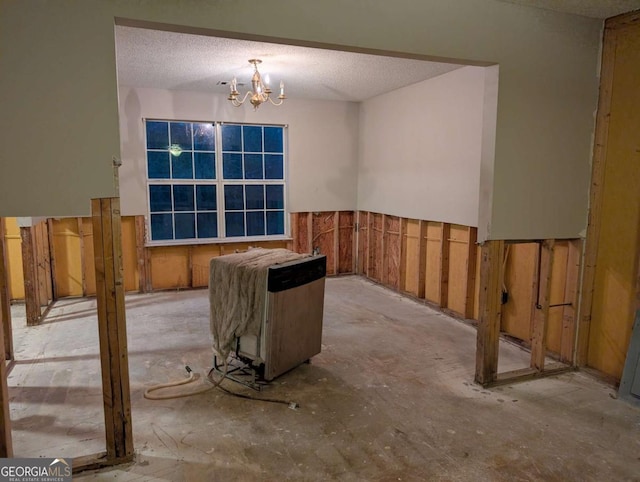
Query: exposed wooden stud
x=52, y=260
x=83, y=263
x=107, y=240
x=6, y=444
x=370, y=245
x=470, y=280
x=5, y=304
x=383, y=276
x=142, y=256
x=541, y=313
x=336, y=242
x=293, y=217
x=571, y=295
x=422, y=259
x=596, y=193
x=309, y=231
x=444, y=265
x=46, y=255
x=31, y=298
x=402, y=264
x=488, y=335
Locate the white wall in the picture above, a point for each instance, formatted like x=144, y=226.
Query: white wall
x=59, y=119
x=420, y=149
x=322, y=143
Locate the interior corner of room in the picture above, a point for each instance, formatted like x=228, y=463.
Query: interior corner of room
x=464, y=173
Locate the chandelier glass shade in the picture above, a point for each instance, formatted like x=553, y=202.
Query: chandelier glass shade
x=259, y=93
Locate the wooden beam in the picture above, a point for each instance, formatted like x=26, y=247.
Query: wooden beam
x=422, y=258
x=107, y=241
x=596, y=193
x=293, y=222
x=541, y=311
x=488, y=336
x=470, y=280
x=444, y=265
x=336, y=243
x=83, y=262
x=142, y=256
x=370, y=245
x=52, y=260
x=571, y=295
x=31, y=298
x=5, y=302
x=6, y=444
x=383, y=277
x=402, y=264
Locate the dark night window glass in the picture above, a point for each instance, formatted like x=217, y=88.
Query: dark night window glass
x=158, y=165
x=206, y=198
x=273, y=139
x=204, y=137
x=234, y=224
x=181, y=135
x=253, y=166
x=275, y=196
x=185, y=225
x=159, y=198
x=233, y=197
x=232, y=166
x=185, y=175
x=275, y=222
x=205, y=164
x=161, y=226
x=183, y=198
x=252, y=138
x=207, y=225
x=255, y=223
x=273, y=166
x=182, y=165
x=231, y=138
x=157, y=135
x=254, y=194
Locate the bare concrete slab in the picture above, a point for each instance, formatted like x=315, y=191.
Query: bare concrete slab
x=391, y=397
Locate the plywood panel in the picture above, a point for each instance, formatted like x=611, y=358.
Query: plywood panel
x=558, y=282
x=521, y=270
x=200, y=259
x=14, y=259
x=617, y=254
x=170, y=267
x=67, y=253
x=458, y=258
x=432, y=269
x=346, y=242
x=302, y=241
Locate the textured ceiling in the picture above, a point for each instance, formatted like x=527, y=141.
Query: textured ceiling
x=167, y=60
x=587, y=8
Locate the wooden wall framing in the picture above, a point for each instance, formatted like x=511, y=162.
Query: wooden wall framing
x=37, y=272
x=612, y=249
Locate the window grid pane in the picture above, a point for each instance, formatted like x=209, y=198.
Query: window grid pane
x=182, y=161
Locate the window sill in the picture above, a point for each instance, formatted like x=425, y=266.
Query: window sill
x=199, y=242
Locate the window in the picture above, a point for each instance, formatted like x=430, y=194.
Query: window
x=215, y=181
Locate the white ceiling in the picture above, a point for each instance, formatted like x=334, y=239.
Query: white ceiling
x=169, y=60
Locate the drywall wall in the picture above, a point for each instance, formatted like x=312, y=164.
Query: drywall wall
x=59, y=121
x=322, y=147
x=420, y=149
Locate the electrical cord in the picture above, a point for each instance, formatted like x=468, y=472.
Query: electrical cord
x=148, y=393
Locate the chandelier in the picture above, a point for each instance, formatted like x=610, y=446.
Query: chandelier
x=259, y=93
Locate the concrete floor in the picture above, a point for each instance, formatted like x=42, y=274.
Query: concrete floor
x=390, y=397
